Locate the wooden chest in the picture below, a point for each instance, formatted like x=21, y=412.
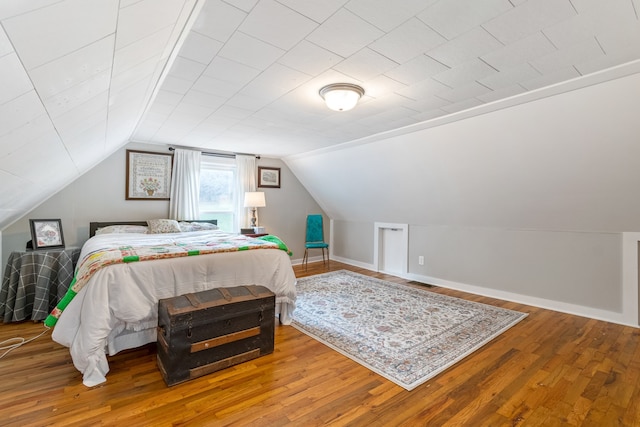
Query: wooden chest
x=206, y=331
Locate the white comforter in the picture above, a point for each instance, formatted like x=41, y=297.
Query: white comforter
x=118, y=308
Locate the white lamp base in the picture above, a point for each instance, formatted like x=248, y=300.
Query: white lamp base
x=253, y=217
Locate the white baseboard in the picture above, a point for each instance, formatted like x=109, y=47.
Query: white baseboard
x=366, y=266
x=563, y=307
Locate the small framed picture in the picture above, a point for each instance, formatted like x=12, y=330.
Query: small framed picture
x=46, y=234
x=268, y=177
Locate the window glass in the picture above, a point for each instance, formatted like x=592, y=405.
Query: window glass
x=217, y=191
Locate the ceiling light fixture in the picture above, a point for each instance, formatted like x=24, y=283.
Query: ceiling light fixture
x=341, y=96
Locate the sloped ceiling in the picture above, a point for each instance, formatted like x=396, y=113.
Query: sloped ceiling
x=81, y=78
x=75, y=77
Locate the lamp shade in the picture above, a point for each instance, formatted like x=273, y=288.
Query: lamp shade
x=341, y=96
x=254, y=199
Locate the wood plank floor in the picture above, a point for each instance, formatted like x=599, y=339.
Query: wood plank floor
x=551, y=369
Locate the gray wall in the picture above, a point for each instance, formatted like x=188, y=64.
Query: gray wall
x=99, y=195
x=528, y=201
x=544, y=264
x=353, y=241
x=287, y=209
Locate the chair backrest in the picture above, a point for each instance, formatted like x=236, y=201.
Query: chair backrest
x=315, y=232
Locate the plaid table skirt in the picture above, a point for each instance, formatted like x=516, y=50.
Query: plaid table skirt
x=34, y=282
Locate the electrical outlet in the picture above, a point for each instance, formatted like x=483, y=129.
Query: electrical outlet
x=421, y=260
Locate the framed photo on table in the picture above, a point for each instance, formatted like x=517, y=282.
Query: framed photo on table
x=268, y=177
x=148, y=175
x=46, y=234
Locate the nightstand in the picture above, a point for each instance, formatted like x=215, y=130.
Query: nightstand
x=34, y=282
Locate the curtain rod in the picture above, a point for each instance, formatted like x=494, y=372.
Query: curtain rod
x=225, y=155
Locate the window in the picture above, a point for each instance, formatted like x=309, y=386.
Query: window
x=217, y=191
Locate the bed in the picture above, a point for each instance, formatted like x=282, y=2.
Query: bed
x=123, y=270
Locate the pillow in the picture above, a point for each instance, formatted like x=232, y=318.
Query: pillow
x=157, y=226
x=113, y=229
x=196, y=226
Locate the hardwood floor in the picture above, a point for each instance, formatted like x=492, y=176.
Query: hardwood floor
x=551, y=369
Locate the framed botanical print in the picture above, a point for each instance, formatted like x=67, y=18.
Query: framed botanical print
x=268, y=177
x=148, y=175
x=46, y=234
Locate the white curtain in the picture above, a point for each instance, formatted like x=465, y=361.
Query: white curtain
x=185, y=185
x=246, y=181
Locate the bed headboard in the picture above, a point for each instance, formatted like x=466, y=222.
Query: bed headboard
x=93, y=226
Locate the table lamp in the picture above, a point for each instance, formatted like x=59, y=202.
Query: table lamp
x=254, y=200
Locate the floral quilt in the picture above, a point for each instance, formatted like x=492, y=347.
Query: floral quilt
x=96, y=260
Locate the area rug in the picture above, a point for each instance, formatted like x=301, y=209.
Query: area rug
x=408, y=335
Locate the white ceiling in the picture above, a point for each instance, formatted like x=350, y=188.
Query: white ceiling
x=81, y=78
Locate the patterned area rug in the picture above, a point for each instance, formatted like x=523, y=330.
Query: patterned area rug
x=408, y=335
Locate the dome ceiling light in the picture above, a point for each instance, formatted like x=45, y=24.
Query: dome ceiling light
x=341, y=96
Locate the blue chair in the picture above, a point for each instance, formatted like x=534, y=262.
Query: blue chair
x=314, y=238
